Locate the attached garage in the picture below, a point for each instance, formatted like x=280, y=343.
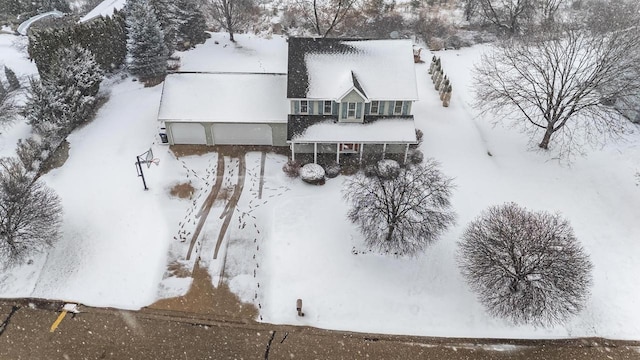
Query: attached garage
x=242, y=134
x=187, y=133
x=225, y=108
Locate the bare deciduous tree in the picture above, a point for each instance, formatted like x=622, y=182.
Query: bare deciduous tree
x=325, y=15
x=401, y=213
x=525, y=266
x=562, y=84
x=507, y=15
x=30, y=213
x=231, y=14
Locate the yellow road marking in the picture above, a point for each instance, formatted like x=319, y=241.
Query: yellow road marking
x=55, y=324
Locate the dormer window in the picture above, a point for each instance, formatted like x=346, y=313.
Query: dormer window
x=304, y=107
x=351, y=110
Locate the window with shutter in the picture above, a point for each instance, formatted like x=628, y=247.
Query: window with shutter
x=374, y=108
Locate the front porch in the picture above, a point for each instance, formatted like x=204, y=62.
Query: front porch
x=352, y=153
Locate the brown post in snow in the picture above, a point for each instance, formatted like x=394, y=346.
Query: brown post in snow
x=299, y=307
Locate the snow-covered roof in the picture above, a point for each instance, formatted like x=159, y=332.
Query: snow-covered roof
x=390, y=130
x=105, y=8
x=328, y=68
x=224, y=97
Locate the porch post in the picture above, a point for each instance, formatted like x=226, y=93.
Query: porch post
x=361, y=147
x=338, y=153
x=315, y=152
x=293, y=151
x=406, y=153
x=384, y=150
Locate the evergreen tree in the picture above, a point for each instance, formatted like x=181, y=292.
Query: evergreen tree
x=145, y=44
x=167, y=12
x=193, y=26
x=66, y=96
x=14, y=84
x=11, y=7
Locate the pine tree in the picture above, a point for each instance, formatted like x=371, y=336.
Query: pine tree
x=66, y=96
x=14, y=84
x=193, y=26
x=168, y=14
x=147, y=52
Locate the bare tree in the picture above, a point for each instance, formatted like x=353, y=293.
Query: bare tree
x=30, y=213
x=507, y=15
x=525, y=266
x=400, y=212
x=562, y=84
x=325, y=15
x=231, y=14
x=548, y=9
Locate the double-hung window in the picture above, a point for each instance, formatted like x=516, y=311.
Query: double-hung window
x=351, y=110
x=304, y=107
x=397, y=108
x=374, y=107
x=328, y=107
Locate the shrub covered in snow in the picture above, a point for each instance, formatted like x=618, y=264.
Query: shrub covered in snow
x=416, y=157
x=525, y=266
x=312, y=174
x=332, y=170
x=291, y=168
x=388, y=169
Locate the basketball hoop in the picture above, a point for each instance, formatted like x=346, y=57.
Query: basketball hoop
x=145, y=158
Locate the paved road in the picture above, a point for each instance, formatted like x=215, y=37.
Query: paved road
x=114, y=334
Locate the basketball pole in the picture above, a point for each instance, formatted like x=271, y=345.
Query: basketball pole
x=141, y=172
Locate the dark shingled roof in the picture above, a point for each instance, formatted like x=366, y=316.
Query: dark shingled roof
x=298, y=79
x=297, y=124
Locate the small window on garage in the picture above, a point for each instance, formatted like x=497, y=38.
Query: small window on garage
x=304, y=107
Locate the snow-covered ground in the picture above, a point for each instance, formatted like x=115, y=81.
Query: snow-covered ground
x=295, y=241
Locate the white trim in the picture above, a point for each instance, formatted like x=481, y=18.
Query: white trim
x=353, y=88
x=293, y=151
x=338, y=153
x=315, y=152
x=384, y=150
x=361, y=149
x=406, y=153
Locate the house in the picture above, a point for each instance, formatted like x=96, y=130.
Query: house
x=350, y=97
x=340, y=97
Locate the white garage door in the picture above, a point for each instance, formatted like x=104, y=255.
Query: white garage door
x=184, y=133
x=242, y=134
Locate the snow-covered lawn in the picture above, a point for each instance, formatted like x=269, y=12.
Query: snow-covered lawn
x=295, y=241
x=306, y=242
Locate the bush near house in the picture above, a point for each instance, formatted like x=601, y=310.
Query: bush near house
x=312, y=174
